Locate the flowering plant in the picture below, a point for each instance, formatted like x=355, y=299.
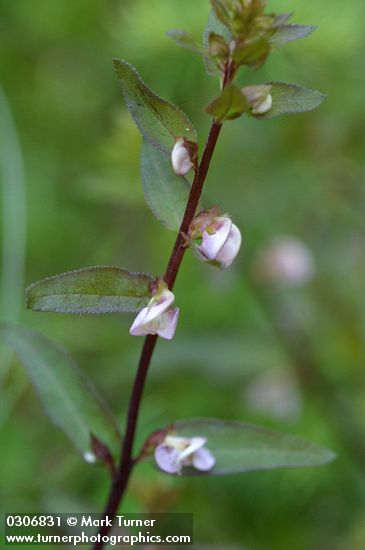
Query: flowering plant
x=239, y=34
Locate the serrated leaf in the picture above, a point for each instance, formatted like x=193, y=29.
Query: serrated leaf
x=103, y=289
x=214, y=26
x=68, y=397
x=290, y=33
x=185, y=40
x=166, y=193
x=230, y=104
x=159, y=121
x=240, y=447
x=289, y=98
x=220, y=11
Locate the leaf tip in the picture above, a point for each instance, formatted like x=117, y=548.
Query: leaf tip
x=322, y=97
x=328, y=456
x=119, y=64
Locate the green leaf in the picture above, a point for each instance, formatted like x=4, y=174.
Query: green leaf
x=282, y=19
x=289, y=98
x=214, y=25
x=229, y=105
x=290, y=33
x=159, y=121
x=91, y=290
x=253, y=53
x=166, y=193
x=240, y=447
x=184, y=40
x=220, y=11
x=68, y=397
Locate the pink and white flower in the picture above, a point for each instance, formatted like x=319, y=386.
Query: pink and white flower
x=176, y=452
x=181, y=158
x=157, y=317
x=286, y=261
x=221, y=242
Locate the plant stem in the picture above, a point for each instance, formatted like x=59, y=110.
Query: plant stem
x=126, y=464
x=193, y=201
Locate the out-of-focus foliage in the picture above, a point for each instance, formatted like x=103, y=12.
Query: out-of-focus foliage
x=300, y=176
x=68, y=397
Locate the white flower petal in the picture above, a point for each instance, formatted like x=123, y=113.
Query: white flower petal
x=167, y=459
x=195, y=443
x=168, y=321
x=231, y=247
x=203, y=460
x=213, y=244
x=263, y=107
x=158, y=306
x=138, y=326
x=176, y=442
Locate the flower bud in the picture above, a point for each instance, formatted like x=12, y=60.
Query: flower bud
x=158, y=317
x=263, y=107
x=259, y=98
x=181, y=158
x=220, y=238
x=175, y=452
x=89, y=457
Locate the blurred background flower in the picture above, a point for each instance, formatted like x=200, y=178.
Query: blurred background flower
x=285, y=261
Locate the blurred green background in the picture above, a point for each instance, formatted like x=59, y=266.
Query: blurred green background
x=289, y=358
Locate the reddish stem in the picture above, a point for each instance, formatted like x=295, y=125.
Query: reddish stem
x=126, y=465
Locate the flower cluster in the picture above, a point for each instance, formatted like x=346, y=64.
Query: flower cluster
x=219, y=242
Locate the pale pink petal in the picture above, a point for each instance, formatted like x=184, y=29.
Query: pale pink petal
x=138, y=326
x=156, y=308
x=212, y=244
x=167, y=459
x=231, y=247
x=195, y=443
x=293, y=262
x=167, y=324
x=203, y=460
